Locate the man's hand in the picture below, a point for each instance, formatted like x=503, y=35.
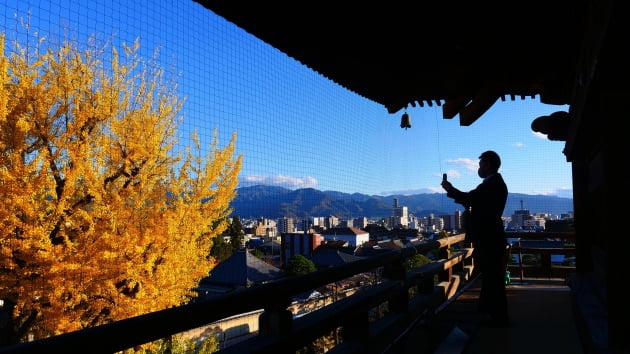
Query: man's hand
x=447, y=185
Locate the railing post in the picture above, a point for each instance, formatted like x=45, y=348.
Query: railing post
x=276, y=319
x=470, y=261
x=447, y=274
x=520, y=259
x=545, y=263
x=396, y=271
x=356, y=328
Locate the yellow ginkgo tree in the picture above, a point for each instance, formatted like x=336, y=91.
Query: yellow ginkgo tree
x=102, y=215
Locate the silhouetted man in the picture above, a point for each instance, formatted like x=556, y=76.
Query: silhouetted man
x=484, y=228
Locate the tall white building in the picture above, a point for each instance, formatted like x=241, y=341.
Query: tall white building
x=401, y=215
x=331, y=221
x=317, y=221
x=353, y=236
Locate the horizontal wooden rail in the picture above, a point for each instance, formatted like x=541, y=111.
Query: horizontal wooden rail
x=541, y=235
x=544, y=251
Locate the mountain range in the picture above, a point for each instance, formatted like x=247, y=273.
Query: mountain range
x=274, y=202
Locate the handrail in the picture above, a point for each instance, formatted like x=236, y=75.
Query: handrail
x=274, y=297
x=541, y=235
x=545, y=253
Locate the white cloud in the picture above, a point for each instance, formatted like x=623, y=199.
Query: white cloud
x=519, y=144
x=279, y=180
x=539, y=135
x=412, y=191
x=436, y=190
x=450, y=174
x=453, y=174
x=469, y=164
x=562, y=192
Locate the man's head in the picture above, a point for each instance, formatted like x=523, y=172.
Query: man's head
x=489, y=163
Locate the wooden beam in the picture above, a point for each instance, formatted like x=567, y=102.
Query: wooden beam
x=479, y=105
x=452, y=106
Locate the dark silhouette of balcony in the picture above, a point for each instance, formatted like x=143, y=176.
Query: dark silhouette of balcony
x=439, y=315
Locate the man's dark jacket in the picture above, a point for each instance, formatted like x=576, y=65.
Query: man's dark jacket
x=484, y=207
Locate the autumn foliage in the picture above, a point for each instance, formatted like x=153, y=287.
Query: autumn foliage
x=102, y=215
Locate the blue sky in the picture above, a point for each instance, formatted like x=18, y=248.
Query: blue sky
x=295, y=127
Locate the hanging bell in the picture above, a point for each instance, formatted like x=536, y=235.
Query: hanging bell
x=405, y=121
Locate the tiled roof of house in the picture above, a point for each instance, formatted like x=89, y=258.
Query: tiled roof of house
x=343, y=231
x=326, y=257
x=242, y=269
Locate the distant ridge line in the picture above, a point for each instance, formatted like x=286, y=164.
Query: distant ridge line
x=276, y=202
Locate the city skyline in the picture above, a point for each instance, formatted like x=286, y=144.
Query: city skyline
x=295, y=128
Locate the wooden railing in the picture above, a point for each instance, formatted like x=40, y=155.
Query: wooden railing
x=543, y=245
x=279, y=331
x=433, y=285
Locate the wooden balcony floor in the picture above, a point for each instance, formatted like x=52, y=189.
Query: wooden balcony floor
x=541, y=322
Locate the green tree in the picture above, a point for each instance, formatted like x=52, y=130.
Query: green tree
x=235, y=230
x=299, y=265
x=416, y=261
x=221, y=250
